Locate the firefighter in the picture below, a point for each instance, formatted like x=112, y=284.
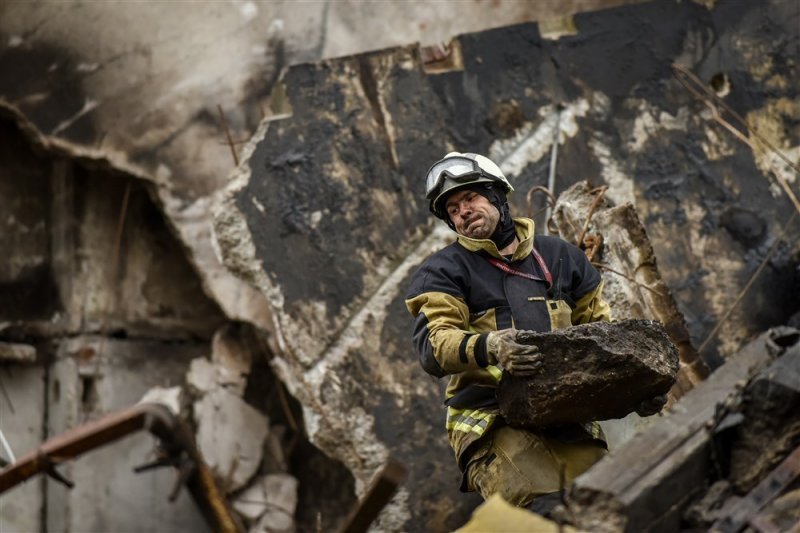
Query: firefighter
x=470, y=300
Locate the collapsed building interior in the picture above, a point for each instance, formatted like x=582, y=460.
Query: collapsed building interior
x=233, y=239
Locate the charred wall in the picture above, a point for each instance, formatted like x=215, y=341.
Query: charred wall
x=326, y=214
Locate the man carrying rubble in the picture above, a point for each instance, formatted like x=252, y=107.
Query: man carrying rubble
x=469, y=301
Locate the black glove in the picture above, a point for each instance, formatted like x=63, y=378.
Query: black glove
x=518, y=359
x=651, y=406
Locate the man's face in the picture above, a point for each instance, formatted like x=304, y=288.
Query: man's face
x=472, y=214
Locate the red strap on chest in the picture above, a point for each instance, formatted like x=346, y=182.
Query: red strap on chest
x=507, y=269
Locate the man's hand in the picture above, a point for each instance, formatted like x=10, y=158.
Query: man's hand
x=651, y=406
x=518, y=359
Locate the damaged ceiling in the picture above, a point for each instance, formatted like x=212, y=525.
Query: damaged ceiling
x=323, y=221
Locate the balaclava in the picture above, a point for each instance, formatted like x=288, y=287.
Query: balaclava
x=504, y=232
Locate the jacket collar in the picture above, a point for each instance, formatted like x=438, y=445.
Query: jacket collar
x=524, y=229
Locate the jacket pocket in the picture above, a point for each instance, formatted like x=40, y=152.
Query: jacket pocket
x=560, y=314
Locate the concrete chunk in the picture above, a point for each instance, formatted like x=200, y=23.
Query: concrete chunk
x=230, y=434
x=590, y=372
x=201, y=377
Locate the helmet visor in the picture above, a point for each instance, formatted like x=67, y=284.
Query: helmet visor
x=456, y=168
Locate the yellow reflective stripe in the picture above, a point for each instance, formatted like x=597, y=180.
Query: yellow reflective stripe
x=468, y=420
x=467, y=428
x=495, y=371
x=467, y=413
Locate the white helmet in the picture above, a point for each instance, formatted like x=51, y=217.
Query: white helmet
x=458, y=170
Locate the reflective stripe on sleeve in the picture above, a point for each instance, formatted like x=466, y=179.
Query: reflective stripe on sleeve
x=468, y=420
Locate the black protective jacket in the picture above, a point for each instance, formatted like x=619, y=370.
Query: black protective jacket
x=458, y=296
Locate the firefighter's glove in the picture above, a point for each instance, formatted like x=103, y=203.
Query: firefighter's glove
x=518, y=359
x=651, y=406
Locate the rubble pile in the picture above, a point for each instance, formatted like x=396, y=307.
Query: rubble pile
x=246, y=452
x=725, y=457
x=611, y=367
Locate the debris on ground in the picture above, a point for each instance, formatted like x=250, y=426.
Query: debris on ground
x=697, y=468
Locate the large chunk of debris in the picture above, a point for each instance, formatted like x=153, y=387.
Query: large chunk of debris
x=231, y=435
x=590, y=372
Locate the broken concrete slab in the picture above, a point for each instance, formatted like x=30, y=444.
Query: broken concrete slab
x=590, y=372
x=230, y=435
x=17, y=353
x=342, y=355
x=652, y=479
